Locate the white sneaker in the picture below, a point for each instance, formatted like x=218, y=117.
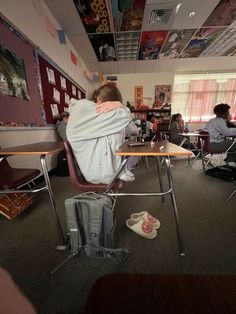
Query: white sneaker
x=232, y=164
x=125, y=177
x=129, y=173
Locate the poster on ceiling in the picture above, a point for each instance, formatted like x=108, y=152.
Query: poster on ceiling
x=175, y=42
x=12, y=75
x=104, y=46
x=150, y=44
x=128, y=14
x=201, y=40
x=224, y=14
x=94, y=15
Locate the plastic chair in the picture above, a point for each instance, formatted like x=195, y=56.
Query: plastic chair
x=13, y=178
x=204, y=147
x=77, y=179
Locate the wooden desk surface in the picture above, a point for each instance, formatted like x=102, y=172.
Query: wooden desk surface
x=162, y=294
x=41, y=148
x=168, y=149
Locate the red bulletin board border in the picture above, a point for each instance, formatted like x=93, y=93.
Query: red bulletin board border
x=47, y=89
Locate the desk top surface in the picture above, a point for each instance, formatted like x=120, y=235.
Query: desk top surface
x=162, y=294
x=163, y=148
x=41, y=148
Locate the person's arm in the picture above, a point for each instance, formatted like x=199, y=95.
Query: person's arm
x=224, y=130
x=108, y=106
x=181, y=126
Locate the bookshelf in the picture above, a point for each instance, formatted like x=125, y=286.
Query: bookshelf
x=163, y=116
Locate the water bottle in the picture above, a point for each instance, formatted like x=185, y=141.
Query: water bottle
x=186, y=128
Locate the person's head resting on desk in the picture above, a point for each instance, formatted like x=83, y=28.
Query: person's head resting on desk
x=107, y=92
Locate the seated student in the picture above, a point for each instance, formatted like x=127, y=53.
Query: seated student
x=61, y=125
x=150, y=132
x=95, y=131
x=229, y=123
x=218, y=129
x=176, y=127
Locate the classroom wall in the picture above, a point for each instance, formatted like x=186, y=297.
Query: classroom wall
x=127, y=83
x=28, y=17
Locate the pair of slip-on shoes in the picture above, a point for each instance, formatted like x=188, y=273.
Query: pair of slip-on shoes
x=144, y=224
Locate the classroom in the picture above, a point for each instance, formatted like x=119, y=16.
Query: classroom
x=117, y=156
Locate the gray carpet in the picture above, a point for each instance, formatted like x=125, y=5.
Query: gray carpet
x=28, y=243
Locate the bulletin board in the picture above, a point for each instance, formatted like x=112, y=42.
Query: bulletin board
x=16, y=110
x=57, y=89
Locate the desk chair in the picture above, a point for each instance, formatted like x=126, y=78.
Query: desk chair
x=79, y=183
x=77, y=179
x=13, y=178
x=204, y=146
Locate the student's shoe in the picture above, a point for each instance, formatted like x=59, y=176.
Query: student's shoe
x=129, y=173
x=148, y=218
x=231, y=164
x=141, y=227
x=125, y=177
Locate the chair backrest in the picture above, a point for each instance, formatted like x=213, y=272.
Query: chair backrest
x=77, y=179
x=204, y=141
x=12, y=178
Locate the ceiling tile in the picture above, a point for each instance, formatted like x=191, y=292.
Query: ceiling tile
x=93, y=66
x=109, y=67
x=126, y=66
x=145, y=66
x=67, y=16
x=201, y=8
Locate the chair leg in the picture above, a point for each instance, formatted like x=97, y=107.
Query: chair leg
x=147, y=164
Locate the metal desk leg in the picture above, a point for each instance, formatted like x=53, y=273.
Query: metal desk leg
x=231, y=195
x=52, y=199
x=170, y=180
x=160, y=179
x=147, y=164
x=108, y=188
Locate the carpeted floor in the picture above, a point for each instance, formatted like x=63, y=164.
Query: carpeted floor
x=28, y=243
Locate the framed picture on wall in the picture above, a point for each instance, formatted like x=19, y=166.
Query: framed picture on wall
x=13, y=80
x=162, y=96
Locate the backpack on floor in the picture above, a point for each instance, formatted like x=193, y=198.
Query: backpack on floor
x=91, y=225
x=223, y=172
x=62, y=169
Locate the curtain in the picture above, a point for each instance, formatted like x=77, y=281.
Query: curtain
x=195, y=95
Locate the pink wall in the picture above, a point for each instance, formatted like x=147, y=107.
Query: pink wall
x=14, y=108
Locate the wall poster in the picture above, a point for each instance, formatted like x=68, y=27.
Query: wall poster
x=13, y=80
x=162, y=97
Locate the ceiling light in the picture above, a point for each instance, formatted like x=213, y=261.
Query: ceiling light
x=178, y=7
x=191, y=14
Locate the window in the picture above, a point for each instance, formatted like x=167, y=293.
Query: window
x=195, y=95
